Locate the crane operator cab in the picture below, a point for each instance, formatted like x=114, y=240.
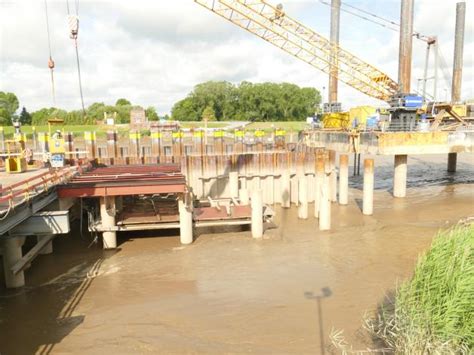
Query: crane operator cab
x=404, y=112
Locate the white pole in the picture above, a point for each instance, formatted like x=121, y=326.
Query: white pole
x=368, y=195
x=400, y=176
x=319, y=183
x=107, y=216
x=185, y=221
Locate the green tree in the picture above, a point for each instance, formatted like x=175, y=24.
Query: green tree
x=4, y=117
x=9, y=103
x=41, y=117
x=123, y=102
x=208, y=114
x=185, y=110
x=151, y=114
x=25, y=117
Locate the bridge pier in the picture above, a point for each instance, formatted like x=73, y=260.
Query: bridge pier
x=107, y=215
x=12, y=253
x=452, y=162
x=185, y=221
x=400, y=176
x=368, y=194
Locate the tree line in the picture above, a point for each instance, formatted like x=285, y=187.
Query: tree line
x=9, y=105
x=224, y=101
x=212, y=100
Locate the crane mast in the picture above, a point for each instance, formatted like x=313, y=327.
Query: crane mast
x=273, y=25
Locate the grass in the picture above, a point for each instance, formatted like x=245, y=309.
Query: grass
x=288, y=126
x=433, y=313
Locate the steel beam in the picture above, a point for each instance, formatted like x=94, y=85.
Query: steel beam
x=20, y=213
x=26, y=260
x=50, y=222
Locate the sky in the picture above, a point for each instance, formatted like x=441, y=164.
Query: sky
x=154, y=52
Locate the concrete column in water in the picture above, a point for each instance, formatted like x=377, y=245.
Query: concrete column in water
x=368, y=196
x=400, y=176
x=343, y=179
x=244, y=196
x=332, y=176
x=285, y=189
x=319, y=183
x=325, y=205
x=452, y=162
x=185, y=220
x=48, y=248
x=107, y=215
x=12, y=253
x=257, y=213
x=234, y=184
x=303, y=197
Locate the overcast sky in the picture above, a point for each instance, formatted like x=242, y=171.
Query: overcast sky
x=154, y=52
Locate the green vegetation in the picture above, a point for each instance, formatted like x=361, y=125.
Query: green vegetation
x=8, y=106
x=248, y=102
x=433, y=313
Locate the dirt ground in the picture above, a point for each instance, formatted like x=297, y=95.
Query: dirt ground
x=228, y=293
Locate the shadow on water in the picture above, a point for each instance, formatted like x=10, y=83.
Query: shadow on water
x=325, y=293
x=34, y=318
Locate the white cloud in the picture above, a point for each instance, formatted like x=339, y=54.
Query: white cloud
x=154, y=52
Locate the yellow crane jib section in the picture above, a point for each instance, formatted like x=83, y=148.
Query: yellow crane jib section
x=273, y=25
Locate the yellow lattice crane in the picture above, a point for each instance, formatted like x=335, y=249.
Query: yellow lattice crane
x=273, y=25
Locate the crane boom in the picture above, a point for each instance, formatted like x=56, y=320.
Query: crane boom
x=275, y=26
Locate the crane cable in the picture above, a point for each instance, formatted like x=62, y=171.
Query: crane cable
x=416, y=34
x=74, y=28
x=50, y=61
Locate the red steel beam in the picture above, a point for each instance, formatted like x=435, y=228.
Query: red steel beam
x=126, y=190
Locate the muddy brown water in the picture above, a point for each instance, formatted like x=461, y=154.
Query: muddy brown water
x=227, y=293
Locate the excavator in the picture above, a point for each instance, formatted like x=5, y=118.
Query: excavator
x=274, y=25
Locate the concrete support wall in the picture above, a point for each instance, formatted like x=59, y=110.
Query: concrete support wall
x=400, y=176
x=11, y=254
x=107, y=216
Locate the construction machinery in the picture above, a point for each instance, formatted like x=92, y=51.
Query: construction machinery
x=57, y=146
x=16, y=160
x=273, y=24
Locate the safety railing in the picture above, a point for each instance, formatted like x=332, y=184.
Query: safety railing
x=24, y=190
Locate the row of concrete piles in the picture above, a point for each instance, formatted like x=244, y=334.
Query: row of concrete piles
x=324, y=185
